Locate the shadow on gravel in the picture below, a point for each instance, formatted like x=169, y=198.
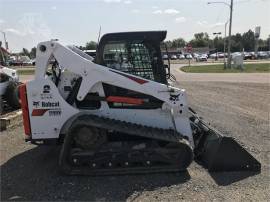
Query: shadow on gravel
x=33, y=176
x=227, y=178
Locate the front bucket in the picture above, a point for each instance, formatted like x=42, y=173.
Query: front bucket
x=221, y=153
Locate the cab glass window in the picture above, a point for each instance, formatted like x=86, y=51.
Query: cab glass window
x=133, y=57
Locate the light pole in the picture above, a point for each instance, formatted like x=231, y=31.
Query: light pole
x=5, y=40
x=225, y=35
x=216, y=34
x=269, y=42
x=230, y=27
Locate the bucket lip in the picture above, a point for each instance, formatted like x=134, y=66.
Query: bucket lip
x=217, y=152
x=226, y=154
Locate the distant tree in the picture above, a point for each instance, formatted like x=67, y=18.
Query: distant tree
x=202, y=35
x=239, y=42
x=25, y=52
x=81, y=47
x=178, y=43
x=267, y=41
x=92, y=45
x=168, y=44
x=218, y=44
x=236, y=43
x=248, y=40
x=200, y=40
x=33, y=52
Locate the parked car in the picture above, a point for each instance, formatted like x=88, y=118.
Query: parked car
x=189, y=56
x=196, y=55
x=173, y=57
x=247, y=56
x=262, y=55
x=218, y=55
x=268, y=53
x=27, y=62
x=33, y=61
x=202, y=57
x=15, y=63
x=213, y=55
x=165, y=57
x=181, y=56
x=221, y=55
x=236, y=54
x=252, y=54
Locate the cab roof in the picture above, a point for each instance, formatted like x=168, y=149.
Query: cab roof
x=142, y=35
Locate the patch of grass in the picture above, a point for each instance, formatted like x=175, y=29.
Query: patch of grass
x=248, y=68
x=22, y=67
x=28, y=71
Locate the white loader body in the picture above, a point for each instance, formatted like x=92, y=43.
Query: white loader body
x=49, y=111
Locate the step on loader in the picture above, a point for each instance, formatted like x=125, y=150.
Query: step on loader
x=117, y=112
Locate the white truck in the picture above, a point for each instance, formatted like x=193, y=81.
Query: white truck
x=9, y=81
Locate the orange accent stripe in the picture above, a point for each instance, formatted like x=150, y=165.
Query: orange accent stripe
x=25, y=110
x=126, y=100
x=39, y=112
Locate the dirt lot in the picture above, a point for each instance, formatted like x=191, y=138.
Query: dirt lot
x=238, y=109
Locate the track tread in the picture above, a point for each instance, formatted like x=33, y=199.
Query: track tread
x=167, y=135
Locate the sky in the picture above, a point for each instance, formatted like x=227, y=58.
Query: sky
x=28, y=22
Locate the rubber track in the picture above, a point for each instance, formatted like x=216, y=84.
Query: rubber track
x=168, y=135
x=133, y=129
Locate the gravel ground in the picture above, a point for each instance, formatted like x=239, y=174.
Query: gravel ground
x=241, y=110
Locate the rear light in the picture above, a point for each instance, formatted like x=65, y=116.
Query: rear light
x=25, y=110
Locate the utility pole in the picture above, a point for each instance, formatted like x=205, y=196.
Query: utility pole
x=2, y=56
x=230, y=27
x=6, y=46
x=269, y=42
x=5, y=40
x=225, y=35
x=257, y=36
x=229, y=39
x=216, y=35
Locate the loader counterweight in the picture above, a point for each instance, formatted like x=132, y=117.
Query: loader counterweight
x=25, y=110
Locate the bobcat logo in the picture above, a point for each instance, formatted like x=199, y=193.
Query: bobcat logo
x=36, y=104
x=46, y=89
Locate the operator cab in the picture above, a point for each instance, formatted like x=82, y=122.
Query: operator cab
x=136, y=53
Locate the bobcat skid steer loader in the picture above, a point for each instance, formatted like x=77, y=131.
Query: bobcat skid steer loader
x=117, y=114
